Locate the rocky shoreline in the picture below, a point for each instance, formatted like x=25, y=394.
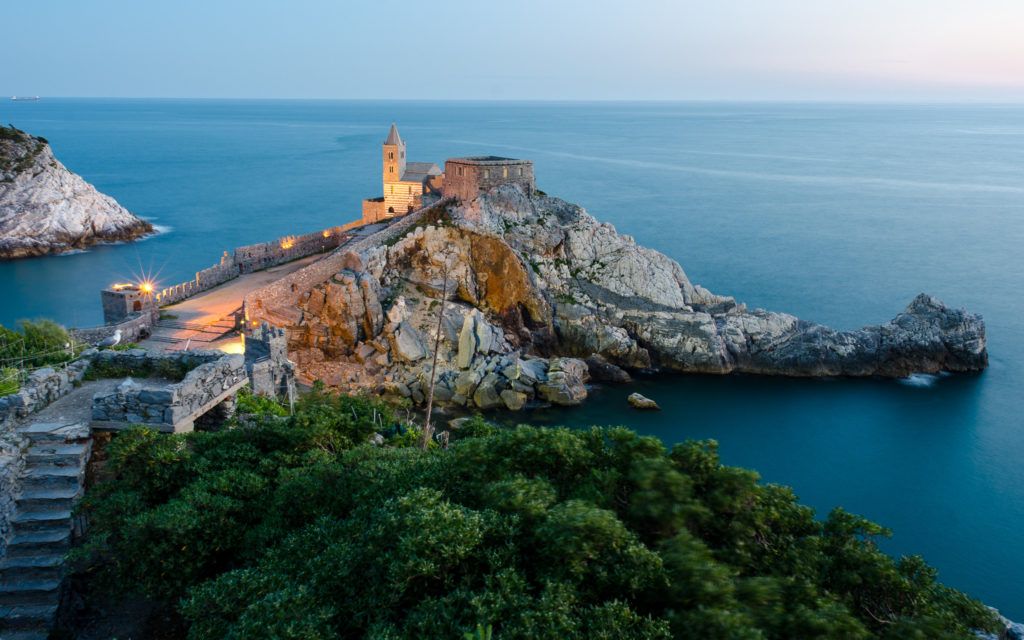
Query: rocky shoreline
x=46, y=209
x=531, y=297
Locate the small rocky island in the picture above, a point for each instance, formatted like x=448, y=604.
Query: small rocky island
x=526, y=297
x=44, y=208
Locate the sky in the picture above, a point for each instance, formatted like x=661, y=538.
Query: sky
x=904, y=50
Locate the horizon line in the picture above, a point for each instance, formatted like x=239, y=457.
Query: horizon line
x=922, y=101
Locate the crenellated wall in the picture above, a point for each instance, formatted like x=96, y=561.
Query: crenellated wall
x=251, y=258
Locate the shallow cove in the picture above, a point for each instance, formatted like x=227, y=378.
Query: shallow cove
x=839, y=214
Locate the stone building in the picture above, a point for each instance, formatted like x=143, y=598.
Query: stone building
x=121, y=300
x=409, y=186
x=466, y=178
x=406, y=184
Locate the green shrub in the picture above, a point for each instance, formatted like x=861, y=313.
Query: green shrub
x=38, y=343
x=10, y=381
x=297, y=528
x=174, y=370
x=248, y=403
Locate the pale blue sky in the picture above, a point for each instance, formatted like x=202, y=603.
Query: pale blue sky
x=532, y=49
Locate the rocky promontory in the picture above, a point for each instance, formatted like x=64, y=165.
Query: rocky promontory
x=44, y=208
x=527, y=297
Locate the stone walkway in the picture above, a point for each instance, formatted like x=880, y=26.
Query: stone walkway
x=206, y=320
x=31, y=572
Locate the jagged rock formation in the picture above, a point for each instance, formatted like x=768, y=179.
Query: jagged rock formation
x=533, y=285
x=44, y=208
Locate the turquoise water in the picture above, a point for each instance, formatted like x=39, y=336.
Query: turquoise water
x=839, y=214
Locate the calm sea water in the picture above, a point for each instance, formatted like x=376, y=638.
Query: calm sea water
x=836, y=213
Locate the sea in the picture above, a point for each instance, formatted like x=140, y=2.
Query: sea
x=836, y=213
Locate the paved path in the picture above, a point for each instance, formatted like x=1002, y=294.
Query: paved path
x=206, y=320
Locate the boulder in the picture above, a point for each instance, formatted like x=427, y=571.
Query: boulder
x=642, y=402
x=565, y=382
x=407, y=344
x=604, y=371
x=486, y=395
x=514, y=400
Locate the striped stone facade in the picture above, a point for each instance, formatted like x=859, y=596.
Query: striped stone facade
x=409, y=186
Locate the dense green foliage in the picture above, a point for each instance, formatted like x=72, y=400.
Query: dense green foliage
x=41, y=343
x=169, y=369
x=296, y=528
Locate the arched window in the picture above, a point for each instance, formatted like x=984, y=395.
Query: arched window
x=137, y=306
x=504, y=172
x=487, y=173
x=410, y=190
x=410, y=209
x=391, y=155
x=520, y=172
x=391, y=169
x=391, y=209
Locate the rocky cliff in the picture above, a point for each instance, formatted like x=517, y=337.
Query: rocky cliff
x=530, y=296
x=44, y=208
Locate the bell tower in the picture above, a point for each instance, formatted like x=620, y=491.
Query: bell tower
x=394, y=157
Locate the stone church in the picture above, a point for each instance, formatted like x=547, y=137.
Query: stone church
x=409, y=186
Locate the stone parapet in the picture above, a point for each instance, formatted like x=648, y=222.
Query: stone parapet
x=133, y=328
x=173, y=406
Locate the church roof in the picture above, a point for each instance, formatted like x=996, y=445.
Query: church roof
x=393, y=137
x=420, y=171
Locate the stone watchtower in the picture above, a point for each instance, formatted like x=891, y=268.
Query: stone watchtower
x=270, y=371
x=394, y=158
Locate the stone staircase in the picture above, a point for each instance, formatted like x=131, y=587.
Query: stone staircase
x=41, y=528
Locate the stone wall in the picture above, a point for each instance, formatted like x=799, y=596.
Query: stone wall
x=275, y=302
x=373, y=210
x=266, y=360
x=217, y=274
x=42, y=387
x=267, y=254
x=131, y=328
x=12, y=462
x=253, y=258
x=467, y=178
x=138, y=402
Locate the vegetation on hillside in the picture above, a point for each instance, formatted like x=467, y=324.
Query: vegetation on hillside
x=41, y=343
x=18, y=151
x=298, y=528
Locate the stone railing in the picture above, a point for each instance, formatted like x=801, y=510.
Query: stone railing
x=168, y=406
x=253, y=258
x=132, y=328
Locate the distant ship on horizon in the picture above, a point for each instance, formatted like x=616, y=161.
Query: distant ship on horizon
x=17, y=99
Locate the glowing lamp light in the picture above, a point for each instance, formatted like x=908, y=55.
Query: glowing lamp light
x=147, y=287
x=327, y=233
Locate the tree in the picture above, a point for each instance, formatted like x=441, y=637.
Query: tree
x=428, y=429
